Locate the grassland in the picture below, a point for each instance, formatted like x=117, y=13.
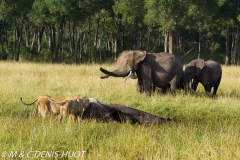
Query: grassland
x=203, y=128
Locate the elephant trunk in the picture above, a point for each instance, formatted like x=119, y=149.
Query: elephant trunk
x=103, y=77
x=115, y=73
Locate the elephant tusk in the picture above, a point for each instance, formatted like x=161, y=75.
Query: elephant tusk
x=128, y=76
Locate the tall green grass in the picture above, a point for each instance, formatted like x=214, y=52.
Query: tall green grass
x=203, y=128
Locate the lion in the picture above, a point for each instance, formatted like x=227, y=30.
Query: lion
x=73, y=108
x=45, y=107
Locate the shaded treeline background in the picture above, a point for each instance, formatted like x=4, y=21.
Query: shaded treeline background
x=96, y=31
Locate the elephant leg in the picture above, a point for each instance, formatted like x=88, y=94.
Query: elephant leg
x=165, y=89
x=173, y=85
x=139, y=86
x=215, y=88
x=154, y=88
x=147, y=86
x=187, y=88
x=207, y=88
x=162, y=90
x=148, y=92
x=173, y=90
x=194, y=85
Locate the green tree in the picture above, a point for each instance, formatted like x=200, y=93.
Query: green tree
x=52, y=14
x=228, y=26
x=130, y=29
x=166, y=16
x=15, y=12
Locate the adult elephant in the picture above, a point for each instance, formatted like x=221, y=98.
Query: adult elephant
x=159, y=69
x=208, y=73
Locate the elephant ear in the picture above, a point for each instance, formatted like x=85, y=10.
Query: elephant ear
x=199, y=63
x=139, y=56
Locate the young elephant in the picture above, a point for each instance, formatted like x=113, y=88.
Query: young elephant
x=208, y=73
x=72, y=107
x=44, y=106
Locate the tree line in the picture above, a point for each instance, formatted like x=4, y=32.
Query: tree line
x=96, y=31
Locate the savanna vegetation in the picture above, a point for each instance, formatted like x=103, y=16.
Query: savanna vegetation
x=202, y=127
x=92, y=31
